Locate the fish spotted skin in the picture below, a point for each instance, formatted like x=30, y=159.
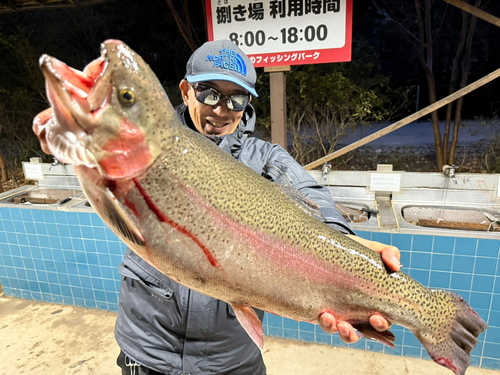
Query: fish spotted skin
x=214, y=225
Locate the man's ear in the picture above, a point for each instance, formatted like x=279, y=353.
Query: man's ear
x=184, y=87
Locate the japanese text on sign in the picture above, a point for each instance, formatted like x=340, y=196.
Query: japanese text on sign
x=277, y=8
x=33, y=171
x=385, y=182
x=285, y=32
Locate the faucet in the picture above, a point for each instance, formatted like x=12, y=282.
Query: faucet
x=54, y=163
x=326, y=168
x=449, y=170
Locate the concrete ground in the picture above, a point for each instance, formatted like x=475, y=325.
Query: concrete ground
x=46, y=338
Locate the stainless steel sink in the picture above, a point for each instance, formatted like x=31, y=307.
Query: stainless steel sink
x=424, y=203
x=44, y=196
x=56, y=186
x=354, y=212
x=452, y=217
x=31, y=195
x=83, y=204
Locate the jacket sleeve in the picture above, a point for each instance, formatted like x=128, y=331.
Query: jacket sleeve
x=282, y=168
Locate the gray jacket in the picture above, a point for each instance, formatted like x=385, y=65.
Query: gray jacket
x=169, y=328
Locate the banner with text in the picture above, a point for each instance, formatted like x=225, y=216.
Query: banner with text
x=284, y=32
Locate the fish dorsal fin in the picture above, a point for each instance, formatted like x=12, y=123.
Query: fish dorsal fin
x=306, y=204
x=120, y=220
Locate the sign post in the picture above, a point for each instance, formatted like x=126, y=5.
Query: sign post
x=277, y=86
x=276, y=33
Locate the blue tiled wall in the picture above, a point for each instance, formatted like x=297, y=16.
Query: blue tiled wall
x=467, y=266
x=72, y=258
x=57, y=256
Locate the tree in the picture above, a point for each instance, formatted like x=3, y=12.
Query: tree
x=326, y=101
x=184, y=23
x=22, y=96
x=421, y=24
x=466, y=35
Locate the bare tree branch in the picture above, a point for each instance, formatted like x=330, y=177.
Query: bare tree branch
x=184, y=28
x=453, y=79
x=463, y=83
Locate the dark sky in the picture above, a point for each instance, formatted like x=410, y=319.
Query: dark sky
x=400, y=60
x=149, y=28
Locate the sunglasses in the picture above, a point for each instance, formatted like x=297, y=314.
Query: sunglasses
x=210, y=96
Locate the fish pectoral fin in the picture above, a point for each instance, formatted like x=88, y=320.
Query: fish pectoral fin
x=120, y=220
x=366, y=330
x=250, y=322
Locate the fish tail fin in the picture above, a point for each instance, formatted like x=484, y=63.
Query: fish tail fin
x=453, y=352
x=367, y=331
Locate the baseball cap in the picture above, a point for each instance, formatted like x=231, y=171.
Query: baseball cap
x=221, y=60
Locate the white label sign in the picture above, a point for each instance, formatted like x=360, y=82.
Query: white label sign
x=385, y=182
x=33, y=171
x=284, y=32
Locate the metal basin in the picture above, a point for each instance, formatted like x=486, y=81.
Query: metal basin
x=354, y=212
x=84, y=204
x=43, y=196
x=452, y=217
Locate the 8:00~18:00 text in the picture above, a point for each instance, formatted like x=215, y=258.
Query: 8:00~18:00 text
x=288, y=35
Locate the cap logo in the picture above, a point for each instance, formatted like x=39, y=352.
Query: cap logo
x=228, y=60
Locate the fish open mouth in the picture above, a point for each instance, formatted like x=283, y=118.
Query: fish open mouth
x=76, y=98
x=94, y=120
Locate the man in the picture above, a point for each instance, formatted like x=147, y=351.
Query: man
x=165, y=328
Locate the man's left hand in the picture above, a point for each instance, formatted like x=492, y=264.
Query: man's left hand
x=390, y=256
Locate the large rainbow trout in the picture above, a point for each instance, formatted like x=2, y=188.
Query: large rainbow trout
x=212, y=224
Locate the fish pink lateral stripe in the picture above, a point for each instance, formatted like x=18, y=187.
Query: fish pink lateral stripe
x=165, y=219
x=284, y=256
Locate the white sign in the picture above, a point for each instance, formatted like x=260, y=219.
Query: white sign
x=385, y=182
x=33, y=171
x=284, y=32
x=498, y=187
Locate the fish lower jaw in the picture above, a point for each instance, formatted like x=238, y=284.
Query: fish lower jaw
x=70, y=149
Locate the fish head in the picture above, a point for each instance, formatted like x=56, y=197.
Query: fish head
x=108, y=116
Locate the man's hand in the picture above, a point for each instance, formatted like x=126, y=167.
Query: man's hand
x=390, y=256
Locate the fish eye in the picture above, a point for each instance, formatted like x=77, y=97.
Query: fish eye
x=127, y=96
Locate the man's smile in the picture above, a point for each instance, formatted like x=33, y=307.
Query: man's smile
x=217, y=124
